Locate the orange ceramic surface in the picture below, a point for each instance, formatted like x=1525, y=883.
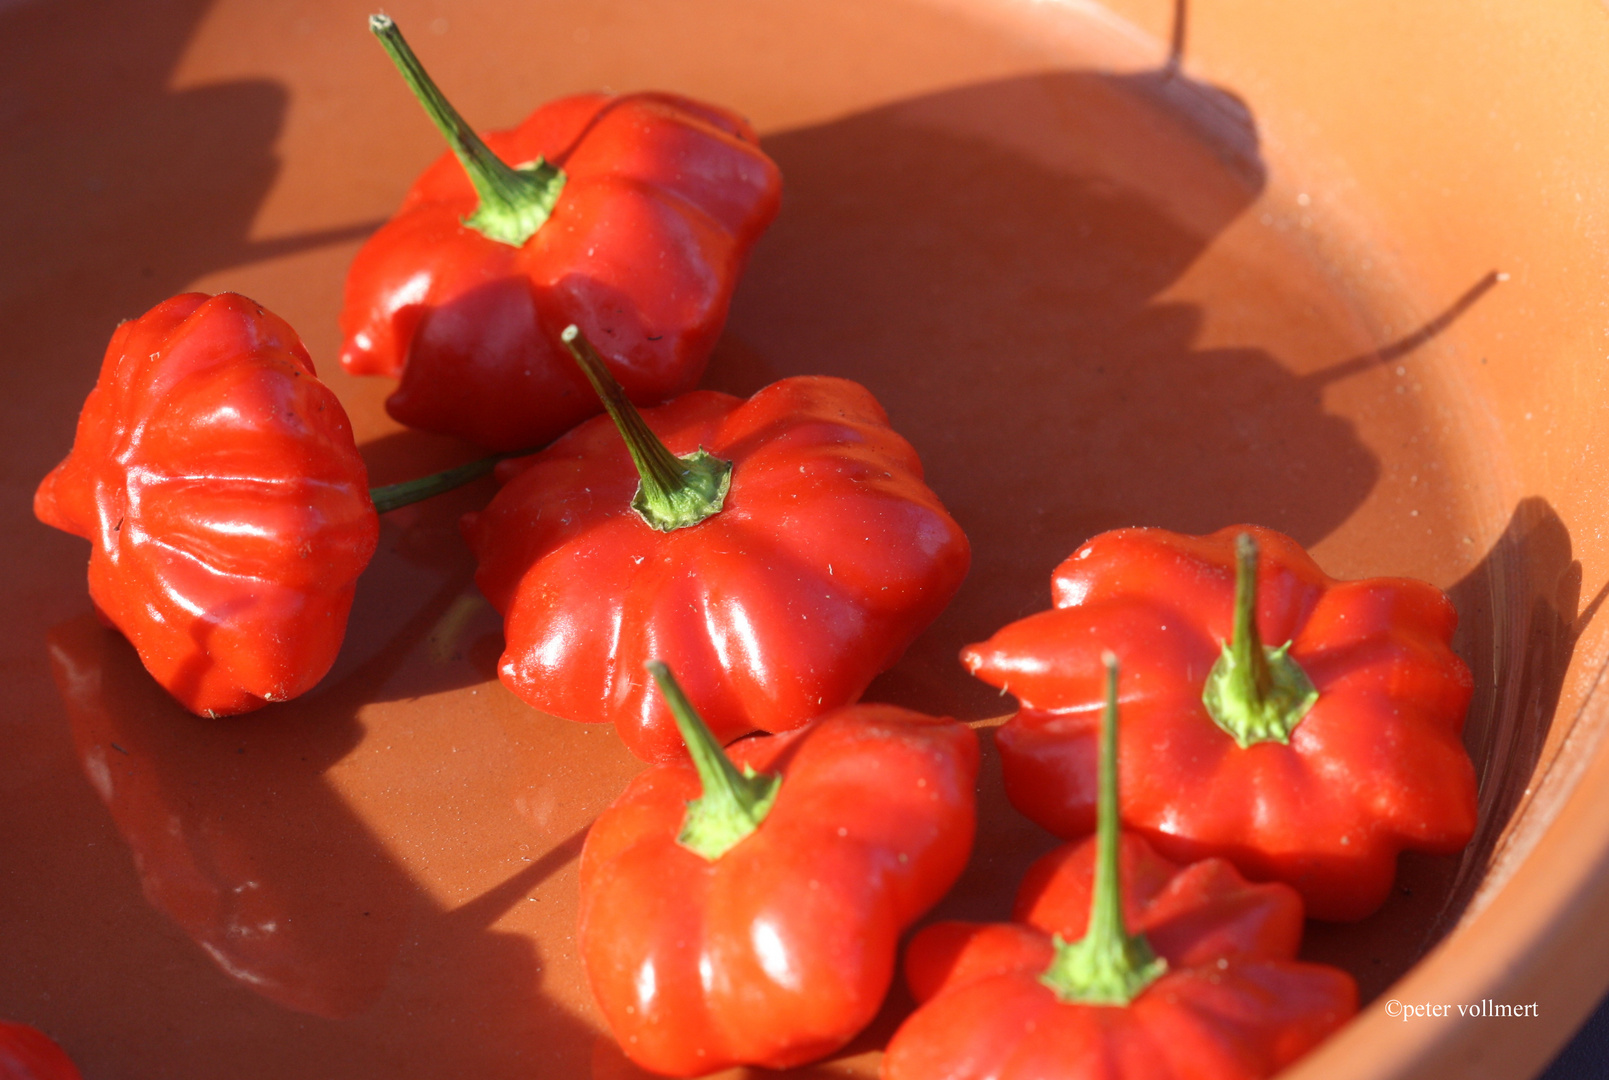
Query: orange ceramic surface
x=1334, y=268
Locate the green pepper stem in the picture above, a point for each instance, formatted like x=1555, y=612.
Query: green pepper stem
x=1108, y=965
x=389, y=497
x=1250, y=676
x=673, y=492
x=515, y=201
x=733, y=802
x=1255, y=693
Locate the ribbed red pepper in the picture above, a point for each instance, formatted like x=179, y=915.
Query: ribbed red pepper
x=1233, y=1002
x=779, y=551
x=1313, y=763
x=629, y=215
x=227, y=506
x=746, y=909
x=1120, y=966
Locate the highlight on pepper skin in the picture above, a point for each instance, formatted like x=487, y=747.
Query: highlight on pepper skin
x=227, y=506
x=630, y=214
x=1119, y=963
x=745, y=906
x=1321, y=785
x=779, y=552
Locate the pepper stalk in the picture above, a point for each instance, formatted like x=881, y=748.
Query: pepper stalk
x=673, y=492
x=1253, y=692
x=734, y=802
x=515, y=201
x=389, y=497
x=1108, y=965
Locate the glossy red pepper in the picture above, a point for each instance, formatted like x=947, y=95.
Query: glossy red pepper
x=1206, y=984
x=1313, y=763
x=746, y=910
x=790, y=554
x=630, y=215
x=227, y=506
x=29, y=1054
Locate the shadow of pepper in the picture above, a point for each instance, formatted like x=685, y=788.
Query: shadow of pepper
x=88, y=117
x=422, y=576
x=1524, y=615
x=233, y=831
x=1519, y=620
x=238, y=837
x=987, y=260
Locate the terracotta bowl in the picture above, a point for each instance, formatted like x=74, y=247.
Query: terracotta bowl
x=1337, y=269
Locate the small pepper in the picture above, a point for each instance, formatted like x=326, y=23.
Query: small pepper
x=27, y=1053
x=630, y=215
x=780, y=551
x=1206, y=985
x=1314, y=762
x=226, y=502
x=745, y=908
x=228, y=508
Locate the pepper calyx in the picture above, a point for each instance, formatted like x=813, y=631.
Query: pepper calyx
x=1108, y=965
x=1254, y=692
x=673, y=492
x=1102, y=971
x=734, y=801
x=515, y=200
x=516, y=209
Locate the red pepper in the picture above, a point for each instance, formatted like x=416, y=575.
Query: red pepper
x=225, y=500
x=790, y=554
x=746, y=909
x=29, y=1054
x=629, y=215
x=1313, y=763
x=1205, y=986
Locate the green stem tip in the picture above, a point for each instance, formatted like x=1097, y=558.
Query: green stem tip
x=1255, y=693
x=515, y=201
x=734, y=802
x=1108, y=965
x=673, y=492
